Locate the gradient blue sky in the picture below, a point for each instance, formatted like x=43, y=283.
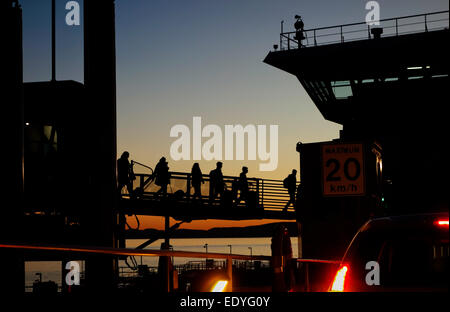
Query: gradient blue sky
x=179, y=59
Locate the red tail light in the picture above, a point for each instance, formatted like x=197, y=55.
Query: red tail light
x=339, y=279
x=442, y=223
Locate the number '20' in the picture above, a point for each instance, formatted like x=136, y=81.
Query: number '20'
x=333, y=175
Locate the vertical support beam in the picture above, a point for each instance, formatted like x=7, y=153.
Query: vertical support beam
x=12, y=127
x=99, y=220
x=396, y=26
x=230, y=274
x=308, y=287
x=166, y=231
x=300, y=241
x=165, y=260
x=281, y=38
x=167, y=269
x=53, y=42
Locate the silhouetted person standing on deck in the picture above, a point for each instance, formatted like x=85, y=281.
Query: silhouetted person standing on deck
x=125, y=175
x=299, y=30
x=243, y=186
x=197, y=180
x=216, y=184
x=291, y=184
x=162, y=177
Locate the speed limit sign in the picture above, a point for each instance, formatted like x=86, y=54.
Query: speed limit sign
x=343, y=169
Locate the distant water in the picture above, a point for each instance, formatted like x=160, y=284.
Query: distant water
x=259, y=245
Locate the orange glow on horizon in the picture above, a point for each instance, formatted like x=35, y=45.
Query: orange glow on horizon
x=153, y=222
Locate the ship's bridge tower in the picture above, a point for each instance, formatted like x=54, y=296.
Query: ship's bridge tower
x=388, y=84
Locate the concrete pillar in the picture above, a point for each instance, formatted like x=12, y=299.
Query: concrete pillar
x=12, y=128
x=100, y=216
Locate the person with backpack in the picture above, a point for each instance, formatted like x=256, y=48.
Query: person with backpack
x=290, y=182
x=216, y=184
x=125, y=175
x=243, y=186
x=162, y=176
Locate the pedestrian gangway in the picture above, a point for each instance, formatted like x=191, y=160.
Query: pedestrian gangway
x=266, y=199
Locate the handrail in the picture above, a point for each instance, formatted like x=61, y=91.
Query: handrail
x=307, y=262
x=339, y=33
x=319, y=261
x=152, y=253
x=271, y=194
x=166, y=253
x=381, y=20
x=140, y=164
x=134, y=252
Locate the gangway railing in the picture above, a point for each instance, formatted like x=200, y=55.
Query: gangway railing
x=308, y=262
x=228, y=257
x=270, y=194
x=77, y=250
x=361, y=31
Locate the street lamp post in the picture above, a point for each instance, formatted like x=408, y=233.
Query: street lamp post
x=206, y=247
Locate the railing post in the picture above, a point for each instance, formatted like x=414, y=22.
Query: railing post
x=368, y=30
x=289, y=41
x=342, y=36
x=426, y=26
x=315, y=41
x=262, y=194
x=230, y=274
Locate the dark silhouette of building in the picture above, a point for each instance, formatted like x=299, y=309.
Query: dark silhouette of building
x=387, y=89
x=12, y=126
x=53, y=129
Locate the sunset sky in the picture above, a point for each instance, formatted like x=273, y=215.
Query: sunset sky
x=180, y=59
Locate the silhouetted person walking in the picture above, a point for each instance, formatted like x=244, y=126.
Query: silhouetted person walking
x=197, y=180
x=162, y=177
x=291, y=184
x=125, y=175
x=216, y=184
x=243, y=186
